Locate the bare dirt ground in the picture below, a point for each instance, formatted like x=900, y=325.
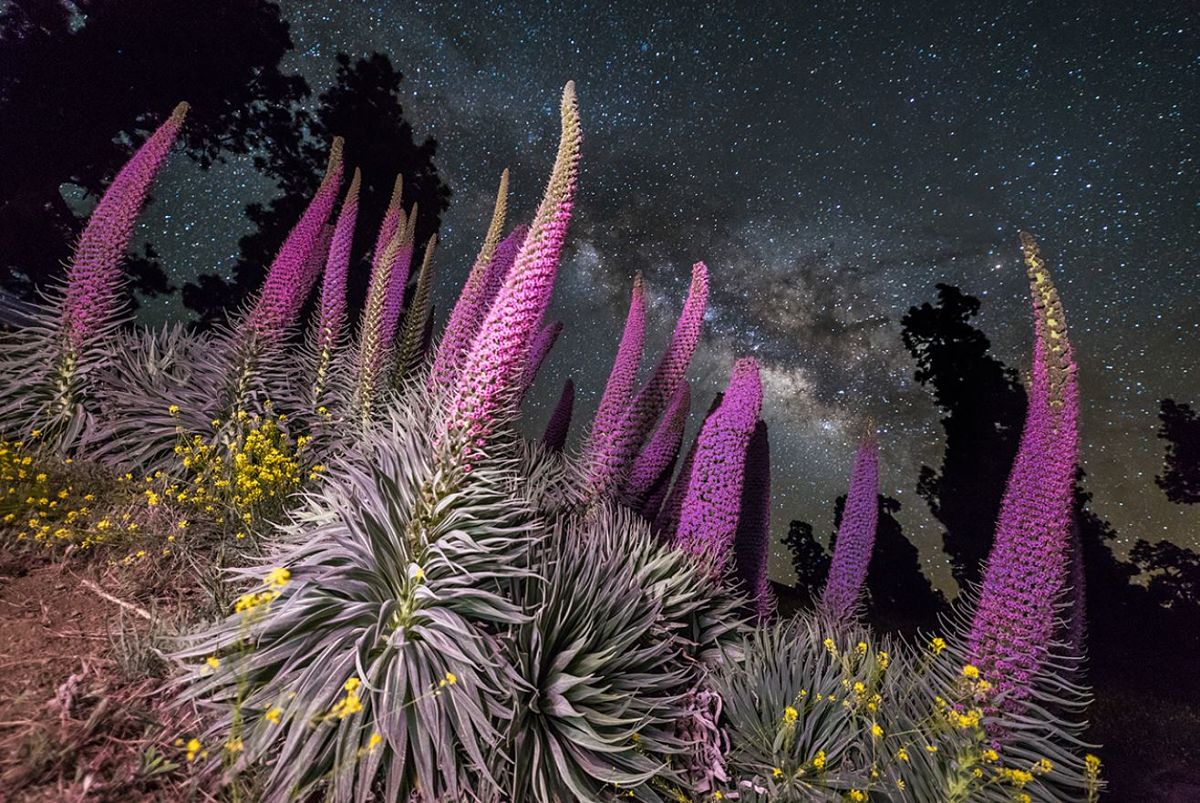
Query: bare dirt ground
x=80, y=701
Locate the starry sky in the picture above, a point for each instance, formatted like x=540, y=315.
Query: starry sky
x=831, y=163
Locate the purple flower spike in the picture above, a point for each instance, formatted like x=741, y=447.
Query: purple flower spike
x=94, y=279
x=332, y=311
x=493, y=368
x=393, y=217
x=652, y=399
x=652, y=468
x=709, y=517
x=497, y=271
x=397, y=278
x=1027, y=571
x=752, y=543
x=470, y=307
x=602, y=453
x=290, y=277
x=856, y=536
x=545, y=340
x=559, y=424
x=666, y=513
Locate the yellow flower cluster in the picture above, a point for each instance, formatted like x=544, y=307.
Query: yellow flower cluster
x=254, y=601
x=351, y=703
x=243, y=475
x=42, y=501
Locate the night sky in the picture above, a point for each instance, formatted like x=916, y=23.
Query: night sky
x=831, y=166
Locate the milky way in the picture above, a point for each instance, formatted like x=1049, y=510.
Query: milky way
x=831, y=165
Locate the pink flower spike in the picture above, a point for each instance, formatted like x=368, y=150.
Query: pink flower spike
x=290, y=278
x=470, y=307
x=653, y=398
x=1028, y=568
x=497, y=271
x=555, y=436
x=602, y=454
x=397, y=281
x=856, y=536
x=709, y=517
x=545, y=340
x=652, y=467
x=494, y=365
x=331, y=313
x=94, y=279
x=666, y=512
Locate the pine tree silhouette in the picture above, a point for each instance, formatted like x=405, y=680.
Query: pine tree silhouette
x=983, y=405
x=1180, y=428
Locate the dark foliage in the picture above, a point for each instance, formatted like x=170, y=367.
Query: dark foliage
x=1180, y=428
x=363, y=106
x=983, y=405
x=76, y=99
x=809, y=560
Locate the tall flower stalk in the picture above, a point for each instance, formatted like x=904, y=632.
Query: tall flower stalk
x=410, y=350
x=472, y=304
x=652, y=467
x=559, y=423
x=601, y=453
x=290, y=277
x=752, y=543
x=639, y=418
x=709, y=517
x=331, y=313
x=667, y=509
x=94, y=280
x=855, y=537
x=371, y=357
x=1027, y=569
x=546, y=337
x=493, y=367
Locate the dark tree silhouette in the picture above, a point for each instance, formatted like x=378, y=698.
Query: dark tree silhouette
x=1173, y=571
x=84, y=83
x=1180, y=428
x=900, y=596
x=809, y=560
x=983, y=405
x=363, y=106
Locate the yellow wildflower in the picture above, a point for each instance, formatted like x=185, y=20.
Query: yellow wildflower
x=819, y=760
x=876, y=730
x=277, y=578
x=970, y=671
x=193, y=749
x=790, y=715
x=274, y=715
x=902, y=754
x=937, y=645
